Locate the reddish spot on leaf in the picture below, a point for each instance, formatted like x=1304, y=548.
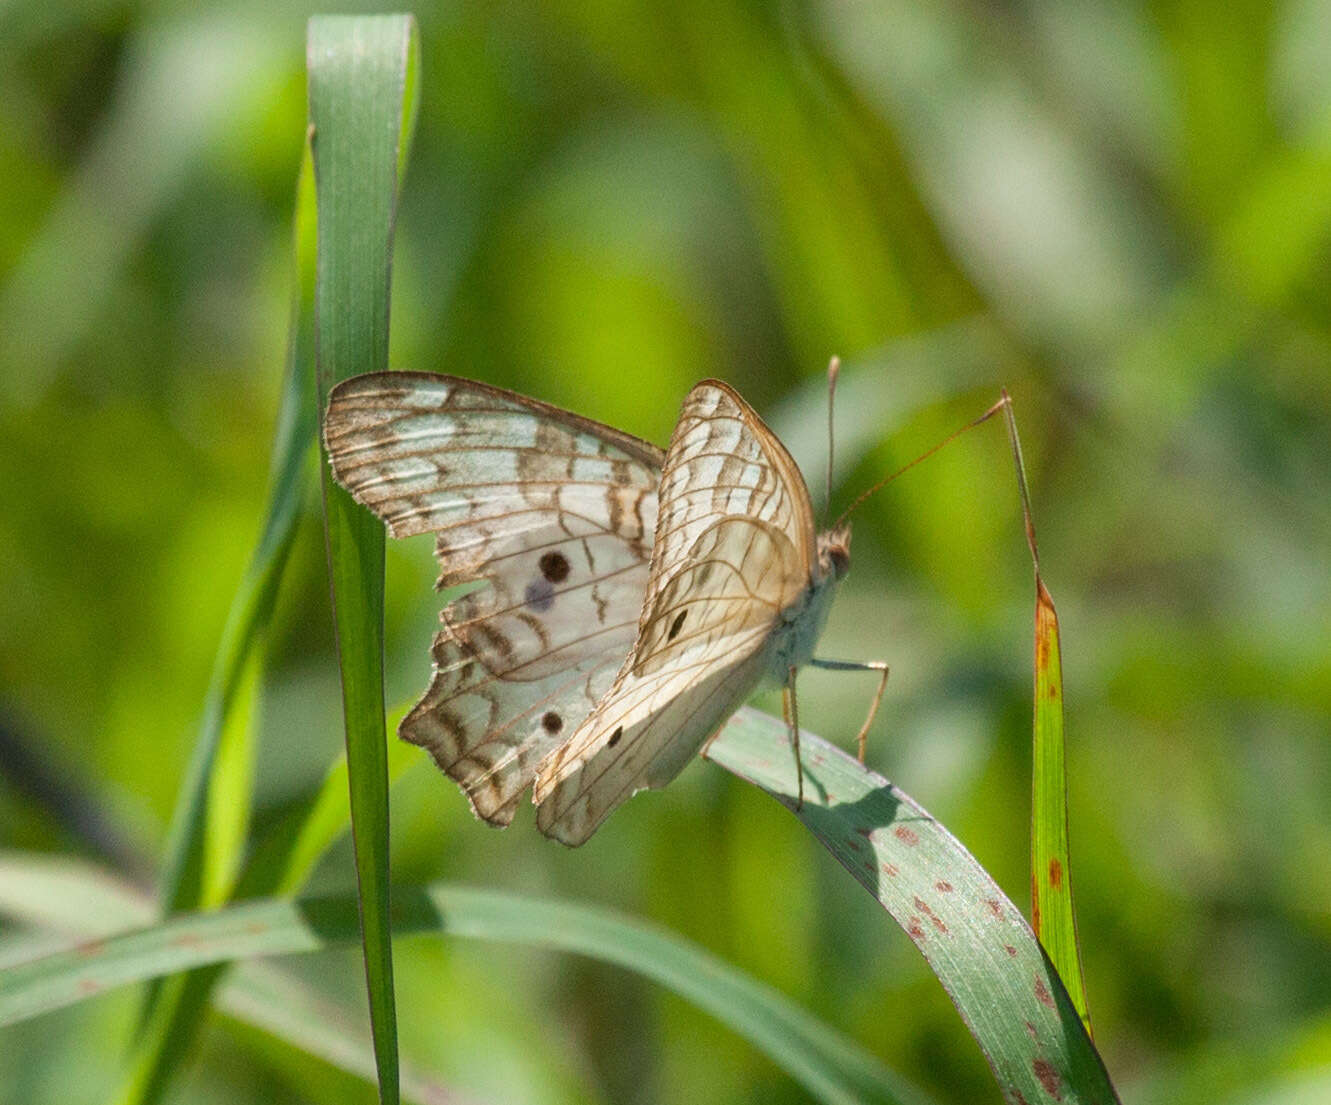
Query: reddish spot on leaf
x=1042, y=994
x=864, y=831
x=923, y=907
x=187, y=940
x=1010, y=950
x=1035, y=914
x=89, y=948
x=1019, y=1098
x=1051, y=690
x=943, y=887
x=1044, y=1071
x=995, y=907
x=1030, y=1030
x=88, y=986
x=1055, y=873
x=890, y=870
x=915, y=930
x=908, y=837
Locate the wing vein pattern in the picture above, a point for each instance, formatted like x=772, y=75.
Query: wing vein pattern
x=552, y=514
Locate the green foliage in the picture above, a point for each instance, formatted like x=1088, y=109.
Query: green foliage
x=1118, y=212
x=362, y=89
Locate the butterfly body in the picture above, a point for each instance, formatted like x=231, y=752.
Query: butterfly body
x=801, y=626
x=634, y=598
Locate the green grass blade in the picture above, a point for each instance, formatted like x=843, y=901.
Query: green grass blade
x=288, y=1013
x=362, y=83
x=1052, y=913
x=251, y=610
x=974, y=939
x=173, y=1012
x=62, y=898
x=831, y=1067
x=280, y=864
x=284, y=867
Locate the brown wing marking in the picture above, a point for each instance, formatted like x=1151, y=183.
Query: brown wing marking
x=553, y=512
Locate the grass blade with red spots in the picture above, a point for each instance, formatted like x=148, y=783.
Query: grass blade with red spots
x=974, y=939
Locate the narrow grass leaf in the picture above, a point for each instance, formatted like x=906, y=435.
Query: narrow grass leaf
x=827, y=1064
x=60, y=898
x=1052, y=914
x=270, y=1011
x=973, y=938
x=231, y=785
x=172, y=1015
x=362, y=84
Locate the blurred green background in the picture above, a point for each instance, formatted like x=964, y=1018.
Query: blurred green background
x=1122, y=212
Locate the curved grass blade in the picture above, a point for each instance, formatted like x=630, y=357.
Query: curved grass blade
x=831, y=1067
x=271, y=1011
x=61, y=898
x=973, y=938
x=362, y=85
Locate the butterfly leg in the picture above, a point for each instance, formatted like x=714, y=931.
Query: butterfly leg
x=854, y=665
x=791, y=712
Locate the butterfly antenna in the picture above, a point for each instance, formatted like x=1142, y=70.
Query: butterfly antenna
x=1004, y=402
x=833, y=371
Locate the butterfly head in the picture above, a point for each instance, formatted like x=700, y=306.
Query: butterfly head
x=834, y=551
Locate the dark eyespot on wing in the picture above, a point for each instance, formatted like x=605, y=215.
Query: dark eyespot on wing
x=676, y=625
x=554, y=567
x=552, y=722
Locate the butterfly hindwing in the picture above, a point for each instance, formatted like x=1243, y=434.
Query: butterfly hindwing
x=553, y=513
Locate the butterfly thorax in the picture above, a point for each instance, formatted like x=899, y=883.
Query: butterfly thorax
x=795, y=638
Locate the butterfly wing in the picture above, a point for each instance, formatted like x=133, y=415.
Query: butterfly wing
x=733, y=551
x=555, y=513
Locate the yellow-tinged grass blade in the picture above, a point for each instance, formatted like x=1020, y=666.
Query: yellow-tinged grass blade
x=1052, y=913
x=362, y=86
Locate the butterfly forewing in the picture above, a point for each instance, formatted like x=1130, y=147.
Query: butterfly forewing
x=724, y=461
x=554, y=512
x=733, y=551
